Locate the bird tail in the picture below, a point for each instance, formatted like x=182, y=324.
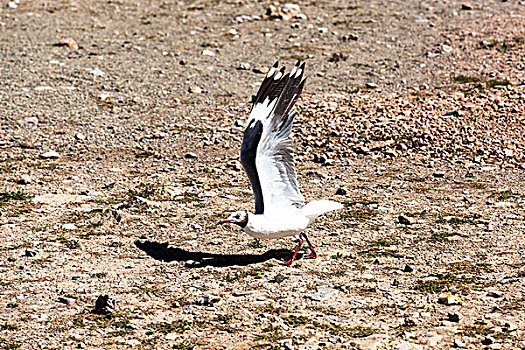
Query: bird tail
x=315, y=208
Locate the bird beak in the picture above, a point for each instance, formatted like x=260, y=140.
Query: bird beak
x=223, y=221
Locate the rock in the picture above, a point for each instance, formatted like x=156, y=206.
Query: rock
x=69, y=42
x=30, y=253
x=372, y=342
x=24, y=180
x=323, y=293
x=449, y=299
x=80, y=136
x=279, y=278
x=362, y=150
x=439, y=174
x=194, y=90
x=405, y=220
x=371, y=86
x=488, y=340
x=96, y=72
x=453, y=317
x=104, y=305
x=408, y=268
x=286, y=12
x=50, y=155
x=190, y=155
x=466, y=6
x=12, y=4
x=67, y=301
x=69, y=227
x=341, y=191
x=208, y=53
x=459, y=344
x=244, y=66
x=287, y=344
x=207, y=300
x=262, y=70
x=495, y=294
x=81, y=345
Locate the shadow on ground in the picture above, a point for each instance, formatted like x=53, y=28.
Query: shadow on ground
x=162, y=252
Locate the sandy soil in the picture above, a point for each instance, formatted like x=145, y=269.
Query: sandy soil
x=118, y=155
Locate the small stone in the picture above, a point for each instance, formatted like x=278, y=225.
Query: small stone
x=190, y=155
x=279, y=278
x=341, y=191
x=66, y=300
x=69, y=42
x=262, y=70
x=488, y=340
x=408, y=268
x=244, y=66
x=81, y=345
x=466, y=6
x=30, y=253
x=405, y=220
x=12, y=4
x=80, y=136
x=495, y=294
x=439, y=174
x=449, y=299
x=459, y=344
x=104, y=305
x=362, y=150
x=69, y=227
x=24, y=180
x=96, y=72
x=50, y=155
x=208, y=53
x=194, y=90
x=287, y=344
x=453, y=317
x=207, y=300
x=371, y=86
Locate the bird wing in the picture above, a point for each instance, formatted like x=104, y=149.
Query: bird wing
x=267, y=153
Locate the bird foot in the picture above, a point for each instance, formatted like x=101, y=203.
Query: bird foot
x=288, y=262
x=312, y=255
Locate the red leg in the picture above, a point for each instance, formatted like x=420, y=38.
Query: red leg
x=290, y=262
x=313, y=254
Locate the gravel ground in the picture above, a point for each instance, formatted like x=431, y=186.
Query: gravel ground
x=120, y=128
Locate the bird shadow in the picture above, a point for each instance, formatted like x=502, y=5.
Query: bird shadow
x=163, y=252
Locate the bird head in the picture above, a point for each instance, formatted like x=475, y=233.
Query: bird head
x=238, y=218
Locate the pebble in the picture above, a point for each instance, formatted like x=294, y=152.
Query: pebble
x=341, y=191
x=104, y=305
x=208, y=53
x=495, y=294
x=24, y=180
x=194, y=90
x=449, y=299
x=323, y=293
x=405, y=220
x=190, y=155
x=69, y=227
x=459, y=344
x=408, y=268
x=488, y=340
x=30, y=253
x=50, y=155
x=453, y=317
x=207, y=300
x=66, y=300
x=244, y=66
x=96, y=72
x=466, y=6
x=439, y=174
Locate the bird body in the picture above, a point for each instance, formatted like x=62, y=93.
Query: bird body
x=268, y=159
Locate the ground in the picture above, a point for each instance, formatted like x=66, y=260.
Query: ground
x=120, y=129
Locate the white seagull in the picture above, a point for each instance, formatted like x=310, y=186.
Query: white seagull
x=268, y=158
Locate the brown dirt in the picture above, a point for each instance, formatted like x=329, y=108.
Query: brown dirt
x=415, y=109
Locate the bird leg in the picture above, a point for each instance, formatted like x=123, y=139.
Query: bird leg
x=312, y=254
x=290, y=262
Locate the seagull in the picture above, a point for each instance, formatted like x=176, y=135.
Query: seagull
x=267, y=156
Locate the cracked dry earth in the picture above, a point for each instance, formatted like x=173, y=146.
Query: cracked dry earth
x=118, y=155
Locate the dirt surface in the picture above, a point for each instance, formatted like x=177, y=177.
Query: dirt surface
x=121, y=124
